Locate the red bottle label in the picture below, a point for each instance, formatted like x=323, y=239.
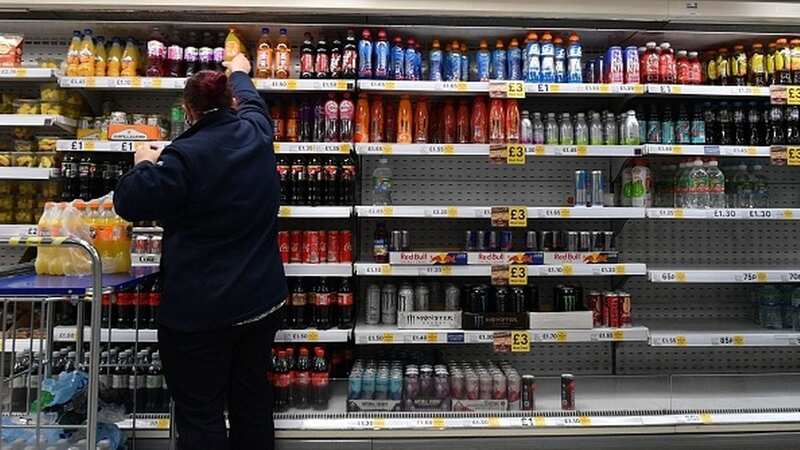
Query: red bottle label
x=345, y=299
x=323, y=299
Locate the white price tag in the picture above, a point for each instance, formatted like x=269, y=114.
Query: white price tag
x=759, y=214
x=791, y=277
x=722, y=214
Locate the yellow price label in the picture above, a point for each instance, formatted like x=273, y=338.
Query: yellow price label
x=344, y=148
x=162, y=424
x=538, y=150
x=561, y=336
x=677, y=149
x=518, y=216
x=585, y=421
x=449, y=149
x=538, y=421
x=432, y=338
x=386, y=269
x=605, y=88
x=515, y=154
x=91, y=82
x=568, y=269
x=793, y=156
x=390, y=85
x=564, y=212
x=520, y=341
x=388, y=338
x=21, y=73
x=276, y=147
x=554, y=88
x=437, y=422
x=517, y=275
x=88, y=145
x=515, y=89
x=788, y=214
x=386, y=149
x=676, y=89
x=494, y=422
x=582, y=150
x=680, y=277
x=313, y=336
x=619, y=269
x=285, y=211
x=461, y=86
x=156, y=82
x=706, y=418
x=136, y=82
x=761, y=277
x=341, y=84
x=378, y=423
x=452, y=212
x=617, y=335
x=388, y=211
x=793, y=95
x=638, y=89
x=680, y=213
x=738, y=340
x=291, y=85
x=751, y=151
x=681, y=341
x=447, y=270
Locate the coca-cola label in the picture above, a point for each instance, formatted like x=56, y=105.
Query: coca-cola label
x=299, y=172
x=175, y=53
x=331, y=172
x=283, y=380
x=332, y=110
x=348, y=172
x=313, y=171
x=302, y=378
x=319, y=379
x=306, y=63
x=299, y=299
x=346, y=110
x=156, y=49
x=321, y=64
x=323, y=299
x=154, y=299
x=345, y=299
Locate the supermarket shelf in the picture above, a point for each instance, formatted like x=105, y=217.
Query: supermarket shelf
x=725, y=213
x=562, y=270
x=421, y=87
x=483, y=150
x=313, y=335
x=77, y=145
x=67, y=334
x=145, y=260
x=293, y=85
x=313, y=147
x=711, y=91
x=44, y=285
x=24, y=173
x=319, y=270
x=584, y=150
x=724, y=274
x=741, y=151
x=322, y=212
x=159, y=83
x=22, y=345
x=484, y=212
x=717, y=333
x=18, y=230
x=148, y=230
x=583, y=89
x=26, y=74
x=37, y=120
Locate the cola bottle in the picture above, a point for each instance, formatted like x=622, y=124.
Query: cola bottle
x=349, y=56
x=332, y=119
x=119, y=379
x=315, y=181
x=322, y=60
x=347, y=181
x=299, y=181
x=322, y=305
x=70, y=169
x=776, y=134
x=125, y=305
x=319, y=393
x=105, y=311
x=755, y=126
x=84, y=179
x=153, y=302
x=284, y=175
x=153, y=388
x=724, y=131
x=319, y=120
x=298, y=306
x=330, y=176
x=307, y=57
x=141, y=313
x=302, y=380
x=191, y=55
x=136, y=383
x=346, y=110
x=306, y=121
x=335, y=60
x=109, y=182
x=281, y=383
x=174, y=63
x=344, y=304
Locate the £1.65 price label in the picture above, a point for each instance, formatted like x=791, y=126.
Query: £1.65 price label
x=515, y=154
x=517, y=275
x=518, y=216
x=520, y=341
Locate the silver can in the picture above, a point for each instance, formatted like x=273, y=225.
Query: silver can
x=481, y=241
x=608, y=245
x=389, y=304
x=422, y=297
x=572, y=241
x=597, y=241
x=373, y=304
x=154, y=120
x=531, y=241
x=405, y=298
x=394, y=242
x=405, y=241
x=118, y=117
x=598, y=191
x=493, y=244
x=581, y=187
x=452, y=298
x=139, y=119
x=585, y=241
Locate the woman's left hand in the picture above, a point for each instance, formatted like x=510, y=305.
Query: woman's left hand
x=146, y=152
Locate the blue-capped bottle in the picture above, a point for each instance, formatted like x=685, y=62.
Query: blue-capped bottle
x=499, y=61
x=574, y=54
x=514, y=60
x=412, y=64
x=365, y=54
x=560, y=59
x=464, y=62
x=382, y=56
x=484, y=61
x=548, y=60
x=435, y=61
x=453, y=62
x=397, y=60
x=530, y=60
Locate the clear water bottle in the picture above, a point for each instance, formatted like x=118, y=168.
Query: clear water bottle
x=630, y=135
x=382, y=183
x=525, y=128
x=581, y=130
x=538, y=128
x=596, y=130
x=716, y=185
x=680, y=185
x=551, y=129
x=760, y=187
x=697, y=194
x=610, y=130
x=566, y=134
x=744, y=188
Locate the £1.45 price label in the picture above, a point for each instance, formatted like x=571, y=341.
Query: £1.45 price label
x=515, y=154
x=517, y=275
x=520, y=341
x=518, y=216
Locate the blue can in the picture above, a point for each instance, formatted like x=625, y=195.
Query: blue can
x=453, y=64
x=506, y=241
x=560, y=68
x=397, y=60
x=499, y=62
x=548, y=63
x=484, y=63
x=631, y=58
x=471, y=241
x=435, y=62
x=412, y=64
x=381, y=56
x=581, y=187
x=464, y=65
x=615, y=66
x=532, y=68
x=365, y=55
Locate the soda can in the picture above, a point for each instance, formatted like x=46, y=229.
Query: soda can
x=333, y=247
x=323, y=246
x=470, y=240
x=139, y=119
x=478, y=301
x=88, y=122
x=345, y=246
x=584, y=242
x=155, y=244
x=311, y=247
x=546, y=241
x=373, y=304
x=608, y=244
x=531, y=241
x=141, y=244
x=532, y=298
x=598, y=192
x=452, y=298
x=394, y=242
x=572, y=241
x=612, y=301
x=631, y=58
x=296, y=246
x=598, y=239
x=422, y=297
x=493, y=244
x=513, y=381
x=389, y=304
x=507, y=240
x=596, y=305
x=615, y=66
x=581, y=187
x=501, y=299
x=517, y=300
x=567, y=391
x=405, y=298
x=624, y=309
x=499, y=386
x=283, y=245
x=405, y=241
x=558, y=240
x=528, y=391
x=481, y=241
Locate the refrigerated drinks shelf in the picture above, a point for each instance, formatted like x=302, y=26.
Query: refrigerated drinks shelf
x=724, y=274
x=485, y=212
x=560, y=270
x=38, y=120
x=319, y=270
x=739, y=151
x=24, y=173
x=531, y=150
x=717, y=333
x=150, y=336
x=725, y=213
x=176, y=84
x=26, y=74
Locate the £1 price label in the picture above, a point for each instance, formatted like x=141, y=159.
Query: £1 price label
x=515, y=154
x=517, y=216
x=520, y=341
x=517, y=275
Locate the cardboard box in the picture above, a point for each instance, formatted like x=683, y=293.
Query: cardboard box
x=429, y=320
x=494, y=321
x=540, y=258
x=374, y=405
x=427, y=405
x=480, y=405
x=576, y=320
x=89, y=134
x=428, y=258
x=125, y=132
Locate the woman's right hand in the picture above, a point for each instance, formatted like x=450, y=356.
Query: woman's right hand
x=239, y=63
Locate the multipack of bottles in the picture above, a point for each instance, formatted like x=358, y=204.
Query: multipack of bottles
x=320, y=119
x=301, y=376
x=320, y=303
x=134, y=307
x=315, y=246
x=591, y=128
x=317, y=180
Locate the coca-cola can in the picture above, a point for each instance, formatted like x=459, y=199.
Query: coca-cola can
x=323, y=246
x=311, y=247
x=141, y=244
x=333, y=246
x=155, y=244
x=625, y=309
x=296, y=247
x=612, y=310
x=283, y=245
x=594, y=303
x=346, y=246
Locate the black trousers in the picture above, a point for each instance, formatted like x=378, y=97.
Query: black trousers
x=205, y=369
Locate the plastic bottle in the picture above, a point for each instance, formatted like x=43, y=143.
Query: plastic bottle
x=121, y=236
x=307, y=57
x=566, y=132
x=365, y=55
x=174, y=63
x=114, y=59
x=777, y=135
x=538, y=128
x=301, y=380
x=152, y=385
x=697, y=128
x=435, y=72
x=265, y=56
x=335, y=69
x=219, y=52
x=641, y=187
x=87, y=55
x=43, y=229
x=100, y=57
x=462, y=122
x=376, y=120
x=129, y=65
x=319, y=393
x=531, y=64
x=452, y=70
x=448, y=122
x=323, y=305
x=484, y=61
x=716, y=184
x=380, y=244
x=512, y=121
x=783, y=61
x=346, y=110
x=610, y=130
x=479, y=122
x=760, y=188
x=315, y=181
x=743, y=185
x=292, y=122
x=525, y=128
x=740, y=136
x=697, y=196
x=464, y=62
x=499, y=61
x=283, y=56
x=667, y=73
x=74, y=55
x=322, y=60
x=421, y=121
x=695, y=69
x=757, y=66
x=497, y=132
x=381, y=56
x=156, y=55
x=595, y=129
x=683, y=126
x=281, y=388
x=350, y=56
x=560, y=59
x=551, y=130
x=581, y=129
x=382, y=183
x=361, y=133
x=404, y=121
x=514, y=71
x=650, y=64
x=792, y=126
x=331, y=119
x=667, y=126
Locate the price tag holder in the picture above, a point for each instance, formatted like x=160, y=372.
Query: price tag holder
x=520, y=341
x=517, y=275
x=793, y=156
x=509, y=216
x=793, y=95
x=515, y=154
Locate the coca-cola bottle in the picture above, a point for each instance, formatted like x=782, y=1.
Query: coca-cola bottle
x=346, y=111
x=307, y=57
x=281, y=383
x=125, y=305
x=349, y=56
x=332, y=119
x=321, y=59
x=69, y=174
x=344, y=303
x=105, y=314
x=319, y=120
x=299, y=181
x=153, y=388
x=306, y=112
x=153, y=302
x=314, y=169
x=302, y=380
x=298, y=306
x=319, y=394
x=347, y=181
x=322, y=305
x=335, y=60
x=156, y=54
x=330, y=176
x=284, y=175
x=290, y=359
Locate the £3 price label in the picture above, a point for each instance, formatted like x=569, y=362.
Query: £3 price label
x=517, y=275
x=515, y=154
x=517, y=216
x=793, y=156
x=515, y=89
x=520, y=341
x=793, y=95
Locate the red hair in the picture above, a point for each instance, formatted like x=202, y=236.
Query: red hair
x=207, y=90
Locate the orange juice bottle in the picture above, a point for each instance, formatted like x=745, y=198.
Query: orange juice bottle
x=100, y=57
x=283, y=56
x=265, y=56
x=114, y=59
x=87, y=55
x=74, y=54
x=421, y=121
x=404, y=121
x=362, y=119
x=120, y=237
x=104, y=236
x=43, y=229
x=129, y=64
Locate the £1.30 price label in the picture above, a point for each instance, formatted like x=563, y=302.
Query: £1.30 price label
x=515, y=154
x=517, y=275
x=518, y=216
x=520, y=341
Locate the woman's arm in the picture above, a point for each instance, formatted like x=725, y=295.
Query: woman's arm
x=251, y=106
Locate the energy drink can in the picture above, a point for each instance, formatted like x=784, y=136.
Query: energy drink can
x=566, y=299
x=283, y=245
x=608, y=244
x=493, y=244
x=567, y=391
x=389, y=304
x=373, y=304
x=345, y=246
x=323, y=246
x=611, y=317
x=501, y=299
x=471, y=240
x=481, y=241
x=558, y=240
x=507, y=240
x=581, y=187
x=615, y=65
x=478, y=300
x=531, y=241
x=394, y=243
x=405, y=298
x=546, y=241
x=598, y=239
x=532, y=298
x=452, y=298
x=528, y=393
x=311, y=247
x=584, y=241
x=422, y=297
x=624, y=309
x=596, y=305
x=296, y=246
x=517, y=300
x=598, y=192
x=572, y=241
x=333, y=247
x=405, y=241
x=589, y=72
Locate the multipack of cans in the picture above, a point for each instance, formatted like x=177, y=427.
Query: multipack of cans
x=545, y=240
x=315, y=247
x=610, y=308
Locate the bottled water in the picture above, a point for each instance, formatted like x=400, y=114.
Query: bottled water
x=596, y=130
x=716, y=185
x=681, y=185
x=551, y=129
x=697, y=195
x=744, y=188
x=565, y=132
x=581, y=130
x=760, y=193
x=382, y=183
x=630, y=129
x=538, y=128
x=610, y=130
